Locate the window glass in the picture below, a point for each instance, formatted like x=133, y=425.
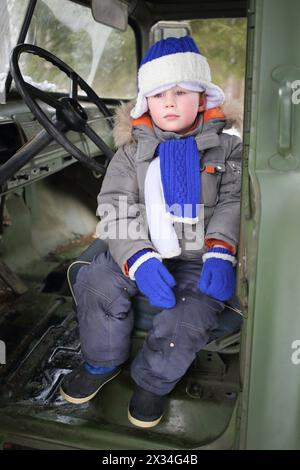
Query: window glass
x=12, y=13
x=102, y=56
x=223, y=42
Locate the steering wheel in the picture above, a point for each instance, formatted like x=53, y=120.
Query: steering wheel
x=70, y=115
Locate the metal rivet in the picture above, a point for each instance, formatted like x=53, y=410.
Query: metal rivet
x=183, y=299
x=172, y=345
x=125, y=288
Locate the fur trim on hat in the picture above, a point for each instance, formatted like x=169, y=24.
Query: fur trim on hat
x=122, y=131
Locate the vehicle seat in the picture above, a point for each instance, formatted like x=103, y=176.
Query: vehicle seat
x=225, y=338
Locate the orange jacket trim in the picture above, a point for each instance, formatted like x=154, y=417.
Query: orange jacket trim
x=211, y=242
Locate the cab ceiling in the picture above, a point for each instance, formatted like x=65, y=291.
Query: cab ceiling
x=186, y=9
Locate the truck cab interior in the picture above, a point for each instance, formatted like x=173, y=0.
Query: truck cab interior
x=66, y=66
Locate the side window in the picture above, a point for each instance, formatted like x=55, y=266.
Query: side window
x=223, y=42
x=104, y=57
x=12, y=14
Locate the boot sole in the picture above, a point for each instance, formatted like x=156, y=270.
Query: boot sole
x=143, y=424
x=79, y=401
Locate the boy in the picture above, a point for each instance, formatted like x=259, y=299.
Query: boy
x=172, y=147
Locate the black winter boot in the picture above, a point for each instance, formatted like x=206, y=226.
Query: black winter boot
x=146, y=408
x=81, y=386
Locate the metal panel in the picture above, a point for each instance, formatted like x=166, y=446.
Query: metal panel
x=270, y=418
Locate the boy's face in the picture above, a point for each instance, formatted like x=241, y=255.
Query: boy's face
x=176, y=109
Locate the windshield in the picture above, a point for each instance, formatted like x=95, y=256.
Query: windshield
x=102, y=56
x=12, y=13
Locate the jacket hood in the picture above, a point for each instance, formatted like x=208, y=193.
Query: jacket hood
x=123, y=122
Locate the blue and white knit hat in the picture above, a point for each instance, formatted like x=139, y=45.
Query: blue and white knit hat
x=170, y=62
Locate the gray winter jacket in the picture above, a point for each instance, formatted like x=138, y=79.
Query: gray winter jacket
x=125, y=177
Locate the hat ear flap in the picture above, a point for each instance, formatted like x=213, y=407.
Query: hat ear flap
x=140, y=107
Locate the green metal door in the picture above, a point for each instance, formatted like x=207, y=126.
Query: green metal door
x=270, y=250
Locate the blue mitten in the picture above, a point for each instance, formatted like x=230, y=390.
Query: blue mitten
x=155, y=282
x=218, y=277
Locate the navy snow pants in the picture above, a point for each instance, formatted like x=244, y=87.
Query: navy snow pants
x=106, y=321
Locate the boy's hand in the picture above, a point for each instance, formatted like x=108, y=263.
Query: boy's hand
x=218, y=276
x=155, y=282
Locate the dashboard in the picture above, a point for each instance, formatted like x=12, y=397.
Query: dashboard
x=18, y=126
